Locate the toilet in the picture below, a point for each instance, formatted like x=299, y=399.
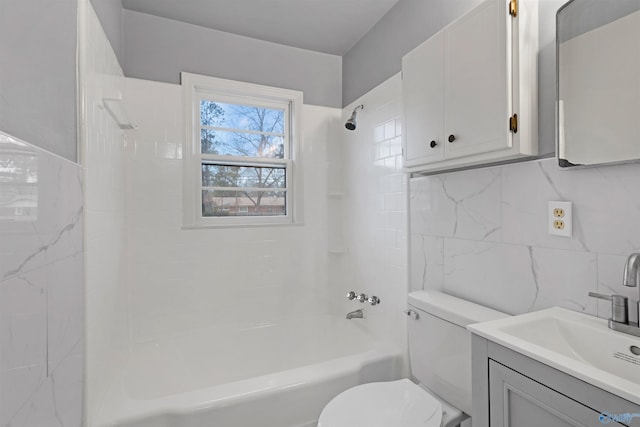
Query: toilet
x=440, y=360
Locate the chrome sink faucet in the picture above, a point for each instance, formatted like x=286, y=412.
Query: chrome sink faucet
x=619, y=320
x=631, y=277
x=632, y=271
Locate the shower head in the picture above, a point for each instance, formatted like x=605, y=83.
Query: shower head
x=351, y=123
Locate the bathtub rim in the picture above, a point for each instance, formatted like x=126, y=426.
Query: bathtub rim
x=123, y=409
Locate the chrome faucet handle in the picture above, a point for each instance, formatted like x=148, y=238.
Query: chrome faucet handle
x=351, y=295
x=373, y=300
x=362, y=298
x=619, y=306
x=412, y=314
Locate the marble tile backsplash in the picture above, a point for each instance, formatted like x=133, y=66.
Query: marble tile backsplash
x=482, y=235
x=41, y=287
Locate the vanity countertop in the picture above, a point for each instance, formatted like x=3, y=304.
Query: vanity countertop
x=575, y=343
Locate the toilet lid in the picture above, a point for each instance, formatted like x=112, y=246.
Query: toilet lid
x=395, y=403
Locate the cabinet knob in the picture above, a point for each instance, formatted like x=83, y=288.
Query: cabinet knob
x=452, y=138
x=433, y=144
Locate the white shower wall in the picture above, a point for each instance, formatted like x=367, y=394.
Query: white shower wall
x=183, y=279
x=102, y=156
x=372, y=248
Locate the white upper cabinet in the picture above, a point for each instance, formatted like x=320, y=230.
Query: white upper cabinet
x=469, y=92
x=423, y=99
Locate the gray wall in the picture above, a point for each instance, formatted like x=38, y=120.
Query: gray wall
x=38, y=73
x=586, y=15
x=159, y=49
x=377, y=56
x=110, y=14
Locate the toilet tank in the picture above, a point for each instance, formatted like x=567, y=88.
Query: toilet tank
x=440, y=346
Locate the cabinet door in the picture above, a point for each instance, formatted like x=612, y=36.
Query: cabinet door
x=518, y=401
x=477, y=81
x=422, y=87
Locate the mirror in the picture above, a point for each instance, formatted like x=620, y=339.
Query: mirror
x=598, y=108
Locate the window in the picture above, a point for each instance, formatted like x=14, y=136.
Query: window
x=241, y=156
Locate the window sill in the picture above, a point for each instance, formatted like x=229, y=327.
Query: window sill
x=244, y=225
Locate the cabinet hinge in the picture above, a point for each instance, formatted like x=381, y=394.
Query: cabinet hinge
x=513, y=8
x=513, y=123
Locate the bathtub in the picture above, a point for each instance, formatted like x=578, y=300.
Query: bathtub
x=273, y=375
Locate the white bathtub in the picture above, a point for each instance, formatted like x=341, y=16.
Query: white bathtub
x=275, y=375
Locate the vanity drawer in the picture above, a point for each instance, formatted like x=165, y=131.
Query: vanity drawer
x=518, y=401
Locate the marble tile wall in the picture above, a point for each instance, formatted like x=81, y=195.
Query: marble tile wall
x=41, y=288
x=482, y=234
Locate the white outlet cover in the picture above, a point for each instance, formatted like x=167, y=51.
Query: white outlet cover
x=567, y=231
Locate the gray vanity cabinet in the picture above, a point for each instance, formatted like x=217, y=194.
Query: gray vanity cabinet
x=518, y=401
x=512, y=390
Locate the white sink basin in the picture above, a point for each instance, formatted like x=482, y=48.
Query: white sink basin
x=575, y=343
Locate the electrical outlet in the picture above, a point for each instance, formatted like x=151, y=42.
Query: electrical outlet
x=560, y=219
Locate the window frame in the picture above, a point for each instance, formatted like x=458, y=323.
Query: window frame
x=196, y=88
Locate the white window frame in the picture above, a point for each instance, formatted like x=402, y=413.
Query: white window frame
x=197, y=87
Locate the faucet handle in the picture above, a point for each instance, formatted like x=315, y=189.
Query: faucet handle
x=619, y=306
x=361, y=297
x=351, y=295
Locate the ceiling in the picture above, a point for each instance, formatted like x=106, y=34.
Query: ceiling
x=330, y=26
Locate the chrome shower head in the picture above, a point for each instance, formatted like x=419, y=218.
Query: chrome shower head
x=351, y=123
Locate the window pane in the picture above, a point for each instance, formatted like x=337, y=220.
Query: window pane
x=243, y=203
x=243, y=176
x=224, y=143
x=242, y=117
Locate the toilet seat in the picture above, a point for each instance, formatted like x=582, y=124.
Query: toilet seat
x=398, y=403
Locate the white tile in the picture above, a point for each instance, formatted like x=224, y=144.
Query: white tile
x=503, y=277
x=17, y=386
x=378, y=133
x=383, y=150
x=464, y=205
x=105, y=155
x=395, y=146
x=58, y=400
x=527, y=187
x=23, y=321
x=390, y=129
x=375, y=262
x=65, y=308
x=427, y=263
x=565, y=279
x=172, y=288
x=68, y=387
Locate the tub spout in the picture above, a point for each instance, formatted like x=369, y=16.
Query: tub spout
x=357, y=314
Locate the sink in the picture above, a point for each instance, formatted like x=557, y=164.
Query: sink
x=575, y=343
